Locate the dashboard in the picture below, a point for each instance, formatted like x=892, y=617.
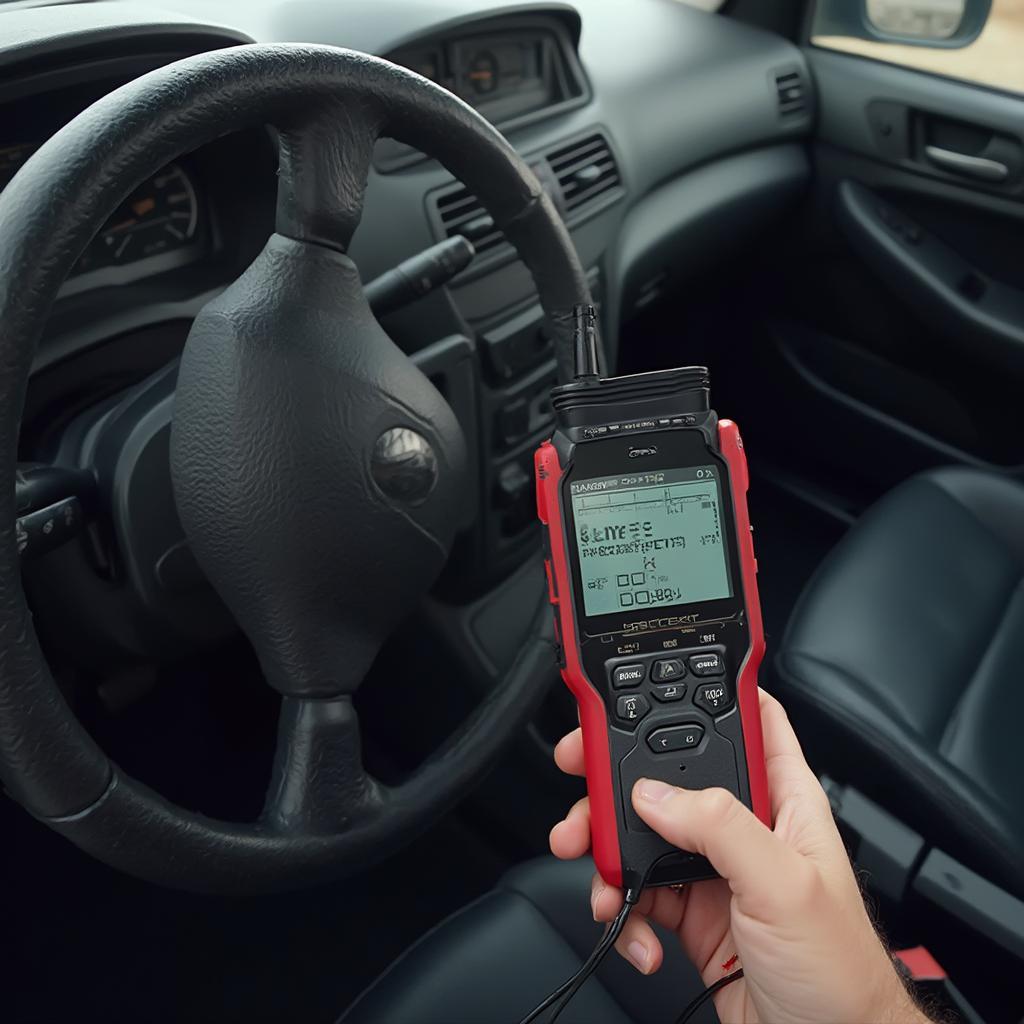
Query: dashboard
x=507, y=75
x=502, y=75
x=655, y=128
x=548, y=75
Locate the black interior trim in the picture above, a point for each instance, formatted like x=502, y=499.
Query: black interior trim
x=944, y=289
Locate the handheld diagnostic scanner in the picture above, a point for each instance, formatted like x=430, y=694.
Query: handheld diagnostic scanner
x=642, y=493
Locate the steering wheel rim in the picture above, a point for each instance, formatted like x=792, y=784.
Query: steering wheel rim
x=48, y=214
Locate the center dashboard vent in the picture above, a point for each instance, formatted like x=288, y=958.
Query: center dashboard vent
x=790, y=88
x=585, y=171
x=581, y=176
x=461, y=213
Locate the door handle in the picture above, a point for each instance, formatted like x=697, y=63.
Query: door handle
x=979, y=167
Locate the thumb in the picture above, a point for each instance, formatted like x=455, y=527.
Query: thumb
x=713, y=823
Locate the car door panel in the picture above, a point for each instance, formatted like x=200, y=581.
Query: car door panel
x=899, y=321
x=948, y=291
x=892, y=114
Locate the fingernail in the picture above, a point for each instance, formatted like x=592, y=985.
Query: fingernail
x=653, y=790
x=595, y=893
x=637, y=953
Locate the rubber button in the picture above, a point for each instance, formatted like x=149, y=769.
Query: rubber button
x=679, y=737
x=707, y=664
x=625, y=676
x=632, y=707
x=540, y=472
x=714, y=698
x=669, y=692
x=666, y=669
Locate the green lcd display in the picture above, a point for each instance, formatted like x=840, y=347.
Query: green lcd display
x=647, y=540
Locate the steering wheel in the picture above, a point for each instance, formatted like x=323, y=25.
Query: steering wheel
x=317, y=472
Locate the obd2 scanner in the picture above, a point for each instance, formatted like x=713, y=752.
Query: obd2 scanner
x=642, y=492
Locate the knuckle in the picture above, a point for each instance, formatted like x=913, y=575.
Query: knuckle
x=717, y=806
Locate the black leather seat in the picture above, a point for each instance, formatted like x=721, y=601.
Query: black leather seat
x=493, y=961
x=903, y=664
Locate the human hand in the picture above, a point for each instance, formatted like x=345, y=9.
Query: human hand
x=787, y=904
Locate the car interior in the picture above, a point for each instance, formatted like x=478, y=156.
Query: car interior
x=276, y=727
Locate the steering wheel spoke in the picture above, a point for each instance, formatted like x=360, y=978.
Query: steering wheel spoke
x=325, y=156
x=319, y=785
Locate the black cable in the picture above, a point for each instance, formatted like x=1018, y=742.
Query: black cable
x=695, y=1004
x=569, y=988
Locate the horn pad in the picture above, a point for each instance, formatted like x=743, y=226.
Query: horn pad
x=317, y=471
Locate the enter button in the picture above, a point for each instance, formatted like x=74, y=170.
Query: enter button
x=679, y=737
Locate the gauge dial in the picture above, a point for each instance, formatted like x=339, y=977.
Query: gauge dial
x=160, y=216
x=482, y=72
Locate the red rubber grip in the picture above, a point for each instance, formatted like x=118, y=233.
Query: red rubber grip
x=731, y=446
x=593, y=717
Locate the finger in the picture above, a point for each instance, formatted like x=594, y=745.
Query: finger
x=569, y=753
x=570, y=838
x=779, y=737
x=661, y=905
x=605, y=899
x=639, y=944
x=790, y=778
x=712, y=822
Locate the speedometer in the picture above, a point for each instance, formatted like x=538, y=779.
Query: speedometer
x=160, y=216
x=158, y=227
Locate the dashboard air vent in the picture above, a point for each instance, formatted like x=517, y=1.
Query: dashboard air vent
x=790, y=88
x=585, y=170
x=461, y=213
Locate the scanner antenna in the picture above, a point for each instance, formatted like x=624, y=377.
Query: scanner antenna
x=584, y=342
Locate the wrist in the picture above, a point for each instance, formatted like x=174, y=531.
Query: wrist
x=892, y=1001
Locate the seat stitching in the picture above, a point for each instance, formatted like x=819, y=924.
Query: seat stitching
x=918, y=772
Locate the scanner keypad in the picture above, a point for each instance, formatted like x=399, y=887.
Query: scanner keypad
x=636, y=682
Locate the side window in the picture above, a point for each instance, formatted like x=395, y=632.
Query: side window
x=976, y=40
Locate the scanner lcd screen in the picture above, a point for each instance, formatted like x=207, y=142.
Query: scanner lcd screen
x=647, y=540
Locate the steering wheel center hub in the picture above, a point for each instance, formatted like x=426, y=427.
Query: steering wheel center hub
x=316, y=469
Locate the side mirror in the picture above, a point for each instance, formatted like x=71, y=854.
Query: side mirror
x=947, y=24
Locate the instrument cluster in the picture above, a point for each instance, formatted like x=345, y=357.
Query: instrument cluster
x=161, y=225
